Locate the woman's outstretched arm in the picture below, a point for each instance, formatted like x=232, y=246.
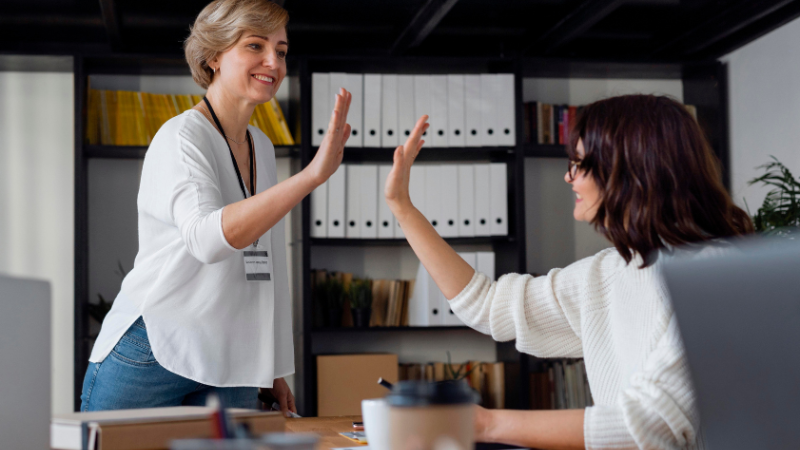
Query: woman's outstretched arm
x=450, y=272
x=562, y=429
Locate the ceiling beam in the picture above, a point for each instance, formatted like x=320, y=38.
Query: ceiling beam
x=753, y=31
x=585, y=15
x=426, y=19
x=50, y=20
x=111, y=19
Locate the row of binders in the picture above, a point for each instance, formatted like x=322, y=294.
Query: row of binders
x=428, y=307
x=133, y=118
x=464, y=200
x=464, y=110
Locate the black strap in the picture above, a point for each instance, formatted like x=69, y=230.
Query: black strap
x=233, y=158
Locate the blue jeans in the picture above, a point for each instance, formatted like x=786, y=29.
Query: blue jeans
x=130, y=377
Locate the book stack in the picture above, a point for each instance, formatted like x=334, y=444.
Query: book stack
x=545, y=123
x=486, y=378
x=133, y=118
x=563, y=385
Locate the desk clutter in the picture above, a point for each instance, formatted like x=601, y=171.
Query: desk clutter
x=459, y=200
x=340, y=300
x=464, y=110
x=133, y=118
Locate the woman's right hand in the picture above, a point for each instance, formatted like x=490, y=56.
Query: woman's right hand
x=331, y=151
x=396, y=189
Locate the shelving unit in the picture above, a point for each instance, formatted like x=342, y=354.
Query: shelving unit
x=704, y=86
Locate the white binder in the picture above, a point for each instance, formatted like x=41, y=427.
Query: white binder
x=319, y=211
x=489, y=94
x=336, y=201
x=450, y=318
x=506, y=117
x=372, y=110
x=483, y=209
x=369, y=201
x=499, y=199
x=449, y=201
x=433, y=196
x=473, y=110
x=486, y=264
x=321, y=106
x=418, y=315
x=406, y=117
x=389, y=131
x=437, y=304
x=423, y=102
x=355, y=116
x=437, y=133
x=353, y=205
x=385, y=217
x=456, y=135
x=466, y=200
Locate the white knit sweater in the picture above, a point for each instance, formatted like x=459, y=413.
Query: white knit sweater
x=619, y=319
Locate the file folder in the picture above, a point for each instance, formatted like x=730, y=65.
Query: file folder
x=450, y=318
x=390, y=135
x=483, y=209
x=449, y=201
x=489, y=94
x=456, y=136
x=385, y=217
x=473, y=110
x=405, y=106
x=355, y=116
x=466, y=200
x=433, y=196
x=423, y=103
x=372, y=110
x=499, y=199
x=439, y=129
x=321, y=106
x=319, y=211
x=353, y=202
x=336, y=203
x=506, y=110
x=369, y=201
x=437, y=304
x=486, y=264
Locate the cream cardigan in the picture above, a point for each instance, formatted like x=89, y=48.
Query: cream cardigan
x=619, y=319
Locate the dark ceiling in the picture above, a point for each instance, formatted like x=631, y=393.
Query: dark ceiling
x=621, y=30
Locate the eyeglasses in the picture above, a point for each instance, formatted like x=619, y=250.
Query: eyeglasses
x=573, y=168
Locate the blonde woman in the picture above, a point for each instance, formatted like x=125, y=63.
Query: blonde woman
x=206, y=307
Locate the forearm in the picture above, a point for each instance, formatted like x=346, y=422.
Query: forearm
x=561, y=429
x=450, y=272
x=245, y=221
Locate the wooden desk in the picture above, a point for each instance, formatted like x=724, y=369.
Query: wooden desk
x=327, y=428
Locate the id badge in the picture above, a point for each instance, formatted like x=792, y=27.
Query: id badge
x=257, y=264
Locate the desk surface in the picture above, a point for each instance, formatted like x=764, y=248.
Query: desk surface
x=328, y=429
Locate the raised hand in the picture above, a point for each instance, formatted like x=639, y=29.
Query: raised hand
x=396, y=190
x=331, y=151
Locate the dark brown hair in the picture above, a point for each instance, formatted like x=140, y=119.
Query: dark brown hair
x=659, y=180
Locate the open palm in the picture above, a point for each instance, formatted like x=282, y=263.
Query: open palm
x=396, y=190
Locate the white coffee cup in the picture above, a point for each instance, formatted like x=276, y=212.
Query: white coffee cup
x=375, y=414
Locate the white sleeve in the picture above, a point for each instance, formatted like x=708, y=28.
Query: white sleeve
x=196, y=205
x=656, y=411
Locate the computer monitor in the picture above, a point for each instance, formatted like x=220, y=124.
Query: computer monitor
x=739, y=316
x=24, y=364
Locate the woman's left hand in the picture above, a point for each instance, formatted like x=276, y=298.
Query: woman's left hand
x=280, y=390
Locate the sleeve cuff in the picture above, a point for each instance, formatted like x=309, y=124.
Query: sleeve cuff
x=604, y=427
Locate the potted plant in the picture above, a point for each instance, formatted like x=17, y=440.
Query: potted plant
x=361, y=302
x=780, y=213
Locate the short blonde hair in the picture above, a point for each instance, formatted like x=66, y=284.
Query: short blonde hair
x=221, y=24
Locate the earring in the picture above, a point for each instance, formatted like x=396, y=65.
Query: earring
x=214, y=70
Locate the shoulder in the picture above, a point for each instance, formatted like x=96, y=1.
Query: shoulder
x=185, y=127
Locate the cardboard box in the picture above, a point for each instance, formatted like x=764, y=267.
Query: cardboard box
x=149, y=428
x=344, y=380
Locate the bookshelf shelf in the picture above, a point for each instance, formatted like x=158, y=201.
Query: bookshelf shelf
x=544, y=151
x=336, y=242
x=138, y=152
x=327, y=332
x=442, y=154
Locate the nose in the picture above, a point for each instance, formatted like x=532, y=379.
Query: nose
x=566, y=178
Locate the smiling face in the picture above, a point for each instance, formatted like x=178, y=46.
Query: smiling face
x=254, y=67
x=587, y=193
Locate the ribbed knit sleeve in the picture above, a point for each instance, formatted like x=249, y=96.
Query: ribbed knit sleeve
x=542, y=313
x=657, y=409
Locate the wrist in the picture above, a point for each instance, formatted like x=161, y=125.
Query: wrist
x=310, y=179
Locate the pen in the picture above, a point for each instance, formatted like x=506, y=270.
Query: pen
x=277, y=407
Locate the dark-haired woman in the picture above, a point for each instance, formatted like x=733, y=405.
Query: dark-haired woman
x=645, y=177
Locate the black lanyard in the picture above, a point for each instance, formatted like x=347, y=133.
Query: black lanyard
x=233, y=158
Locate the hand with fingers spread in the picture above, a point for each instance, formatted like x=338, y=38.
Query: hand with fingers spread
x=331, y=151
x=396, y=190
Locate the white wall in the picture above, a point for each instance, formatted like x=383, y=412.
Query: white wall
x=37, y=202
x=764, y=108
x=554, y=238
